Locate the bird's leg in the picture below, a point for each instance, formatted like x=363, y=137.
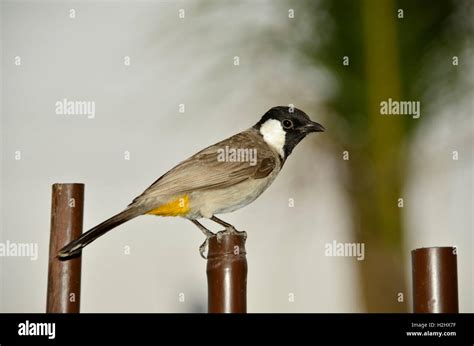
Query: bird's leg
x=203, y=229
x=228, y=226
x=207, y=233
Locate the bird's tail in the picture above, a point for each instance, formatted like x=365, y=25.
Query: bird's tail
x=75, y=247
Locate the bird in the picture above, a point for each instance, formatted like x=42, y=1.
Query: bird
x=219, y=179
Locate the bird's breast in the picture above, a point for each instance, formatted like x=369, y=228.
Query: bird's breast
x=207, y=203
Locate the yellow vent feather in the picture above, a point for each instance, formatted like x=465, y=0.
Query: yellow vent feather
x=177, y=207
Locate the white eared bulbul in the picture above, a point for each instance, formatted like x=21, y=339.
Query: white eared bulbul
x=219, y=179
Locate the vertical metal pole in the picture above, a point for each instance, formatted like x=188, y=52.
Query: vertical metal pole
x=64, y=277
x=227, y=273
x=435, y=280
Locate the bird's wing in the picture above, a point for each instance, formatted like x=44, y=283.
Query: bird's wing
x=206, y=169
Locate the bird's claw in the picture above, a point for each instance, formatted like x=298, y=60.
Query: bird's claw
x=219, y=235
x=202, y=248
x=233, y=230
x=230, y=230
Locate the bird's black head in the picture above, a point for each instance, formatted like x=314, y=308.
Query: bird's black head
x=284, y=127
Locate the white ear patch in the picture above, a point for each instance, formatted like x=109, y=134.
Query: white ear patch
x=274, y=135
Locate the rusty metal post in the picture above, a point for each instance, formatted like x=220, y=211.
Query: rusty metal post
x=227, y=273
x=435, y=280
x=64, y=277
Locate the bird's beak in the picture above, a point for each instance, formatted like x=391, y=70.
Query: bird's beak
x=313, y=126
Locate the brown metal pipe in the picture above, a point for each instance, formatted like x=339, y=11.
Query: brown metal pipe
x=64, y=277
x=435, y=280
x=227, y=273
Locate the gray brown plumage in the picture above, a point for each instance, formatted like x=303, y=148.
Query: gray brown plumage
x=203, y=185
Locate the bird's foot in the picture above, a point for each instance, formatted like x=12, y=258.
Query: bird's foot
x=205, y=246
x=219, y=235
x=230, y=230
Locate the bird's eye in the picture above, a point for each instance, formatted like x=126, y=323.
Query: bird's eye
x=287, y=124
